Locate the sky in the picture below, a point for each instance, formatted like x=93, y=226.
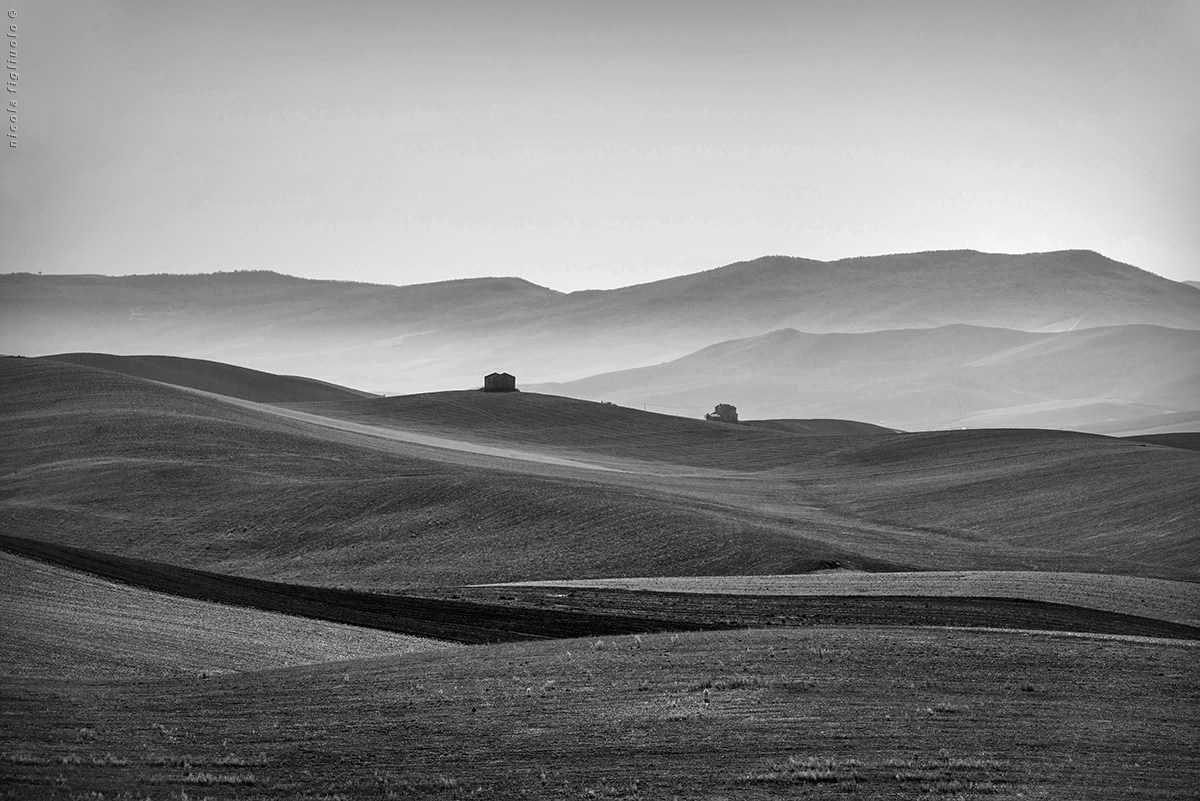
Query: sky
x=593, y=144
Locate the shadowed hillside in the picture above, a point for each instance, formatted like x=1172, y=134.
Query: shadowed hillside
x=399, y=496
x=223, y=379
x=447, y=335
x=1189, y=440
x=947, y=377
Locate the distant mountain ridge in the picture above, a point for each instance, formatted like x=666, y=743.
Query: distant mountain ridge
x=948, y=377
x=448, y=334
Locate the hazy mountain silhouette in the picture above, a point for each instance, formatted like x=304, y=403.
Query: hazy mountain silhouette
x=449, y=334
x=945, y=377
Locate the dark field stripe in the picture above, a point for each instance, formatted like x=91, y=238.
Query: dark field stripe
x=445, y=619
x=502, y=614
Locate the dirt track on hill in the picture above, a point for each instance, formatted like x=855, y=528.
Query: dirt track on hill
x=501, y=614
x=413, y=438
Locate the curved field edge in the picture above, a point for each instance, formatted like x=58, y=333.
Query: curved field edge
x=442, y=619
x=1174, y=601
x=491, y=614
x=65, y=624
x=823, y=713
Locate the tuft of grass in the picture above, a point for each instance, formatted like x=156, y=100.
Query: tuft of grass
x=219, y=778
x=28, y=758
x=110, y=761
x=739, y=682
x=808, y=770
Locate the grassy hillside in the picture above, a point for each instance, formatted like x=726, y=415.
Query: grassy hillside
x=104, y=461
x=873, y=713
x=921, y=379
x=223, y=379
x=561, y=425
x=60, y=624
x=100, y=460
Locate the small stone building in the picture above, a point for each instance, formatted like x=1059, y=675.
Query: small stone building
x=724, y=412
x=499, y=382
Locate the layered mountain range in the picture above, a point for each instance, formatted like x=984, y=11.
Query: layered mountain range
x=926, y=340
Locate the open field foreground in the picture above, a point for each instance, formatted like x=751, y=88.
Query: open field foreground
x=827, y=713
x=62, y=624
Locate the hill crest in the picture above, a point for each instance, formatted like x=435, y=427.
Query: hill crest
x=216, y=377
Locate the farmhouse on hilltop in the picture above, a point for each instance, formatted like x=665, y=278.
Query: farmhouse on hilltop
x=499, y=382
x=724, y=412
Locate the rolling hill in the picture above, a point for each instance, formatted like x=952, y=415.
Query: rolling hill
x=109, y=689
x=453, y=488
x=223, y=379
x=448, y=334
x=821, y=427
x=950, y=377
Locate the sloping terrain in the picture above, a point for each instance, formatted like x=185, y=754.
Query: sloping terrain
x=99, y=460
x=561, y=425
x=821, y=427
x=449, y=334
x=957, y=376
x=61, y=624
x=223, y=379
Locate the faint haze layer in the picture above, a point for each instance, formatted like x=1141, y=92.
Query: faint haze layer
x=595, y=145
x=922, y=340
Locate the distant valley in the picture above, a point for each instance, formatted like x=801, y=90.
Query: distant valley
x=1124, y=379
x=930, y=351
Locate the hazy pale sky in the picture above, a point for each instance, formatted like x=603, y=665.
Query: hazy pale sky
x=593, y=145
